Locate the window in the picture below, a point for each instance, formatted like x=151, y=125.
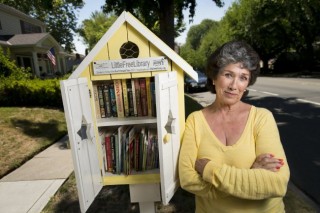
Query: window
x=29, y=28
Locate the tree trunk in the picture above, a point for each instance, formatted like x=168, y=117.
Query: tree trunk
x=167, y=22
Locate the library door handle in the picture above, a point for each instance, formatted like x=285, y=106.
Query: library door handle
x=166, y=138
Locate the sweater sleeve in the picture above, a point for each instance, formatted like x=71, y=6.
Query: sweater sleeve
x=190, y=179
x=254, y=184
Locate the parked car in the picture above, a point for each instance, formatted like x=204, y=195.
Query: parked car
x=191, y=85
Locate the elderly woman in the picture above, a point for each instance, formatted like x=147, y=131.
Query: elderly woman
x=231, y=155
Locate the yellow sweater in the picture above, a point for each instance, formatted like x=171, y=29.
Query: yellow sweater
x=228, y=184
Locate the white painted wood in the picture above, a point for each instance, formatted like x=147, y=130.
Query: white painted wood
x=166, y=101
x=76, y=102
x=144, y=192
x=147, y=207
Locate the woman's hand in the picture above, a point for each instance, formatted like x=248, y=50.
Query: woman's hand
x=200, y=164
x=268, y=162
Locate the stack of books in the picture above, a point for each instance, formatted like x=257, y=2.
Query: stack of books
x=125, y=98
x=129, y=148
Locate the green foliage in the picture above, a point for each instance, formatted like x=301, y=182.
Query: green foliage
x=95, y=27
x=9, y=69
x=201, y=42
x=31, y=92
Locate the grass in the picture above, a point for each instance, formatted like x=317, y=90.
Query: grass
x=25, y=132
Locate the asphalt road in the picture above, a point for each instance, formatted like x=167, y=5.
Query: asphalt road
x=295, y=103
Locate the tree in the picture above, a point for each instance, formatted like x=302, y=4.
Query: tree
x=163, y=12
x=94, y=28
x=58, y=15
x=201, y=41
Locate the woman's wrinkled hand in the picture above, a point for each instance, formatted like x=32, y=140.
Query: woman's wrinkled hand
x=268, y=162
x=200, y=164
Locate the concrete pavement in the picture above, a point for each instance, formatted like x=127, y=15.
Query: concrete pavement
x=29, y=188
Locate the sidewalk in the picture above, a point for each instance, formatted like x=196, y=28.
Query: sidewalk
x=29, y=188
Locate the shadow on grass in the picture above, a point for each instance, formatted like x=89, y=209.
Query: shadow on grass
x=49, y=130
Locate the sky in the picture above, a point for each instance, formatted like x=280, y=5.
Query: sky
x=205, y=9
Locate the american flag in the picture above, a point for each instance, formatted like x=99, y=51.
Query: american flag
x=51, y=56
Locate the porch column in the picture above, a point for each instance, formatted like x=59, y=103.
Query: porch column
x=35, y=63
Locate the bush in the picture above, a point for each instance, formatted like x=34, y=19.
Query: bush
x=30, y=92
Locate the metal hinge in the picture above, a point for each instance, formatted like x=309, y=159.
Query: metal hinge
x=90, y=93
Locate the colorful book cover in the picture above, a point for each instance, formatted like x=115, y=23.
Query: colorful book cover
x=101, y=101
x=148, y=88
x=113, y=101
x=143, y=97
x=124, y=151
x=119, y=98
x=125, y=97
x=107, y=102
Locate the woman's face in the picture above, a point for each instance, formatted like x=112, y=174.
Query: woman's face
x=231, y=83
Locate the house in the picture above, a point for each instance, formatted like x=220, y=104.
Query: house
x=28, y=43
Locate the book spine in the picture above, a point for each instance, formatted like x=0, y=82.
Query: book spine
x=113, y=101
x=134, y=99
x=125, y=97
x=107, y=102
x=148, y=88
x=153, y=99
x=138, y=97
x=113, y=153
x=103, y=149
x=119, y=98
x=130, y=97
x=143, y=97
x=108, y=152
x=101, y=101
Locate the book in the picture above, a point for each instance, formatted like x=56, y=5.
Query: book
x=138, y=97
x=153, y=99
x=101, y=101
x=119, y=97
x=143, y=97
x=148, y=88
x=130, y=98
x=134, y=99
x=113, y=153
x=121, y=131
x=113, y=101
x=108, y=151
x=130, y=150
x=124, y=151
x=107, y=102
x=96, y=100
x=125, y=97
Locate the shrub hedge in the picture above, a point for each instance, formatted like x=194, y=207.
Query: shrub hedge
x=30, y=93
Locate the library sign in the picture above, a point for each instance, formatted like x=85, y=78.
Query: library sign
x=130, y=65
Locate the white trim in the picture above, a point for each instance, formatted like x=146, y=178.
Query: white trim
x=144, y=31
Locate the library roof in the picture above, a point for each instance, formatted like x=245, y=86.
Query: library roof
x=144, y=31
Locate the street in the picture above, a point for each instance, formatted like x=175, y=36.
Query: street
x=295, y=103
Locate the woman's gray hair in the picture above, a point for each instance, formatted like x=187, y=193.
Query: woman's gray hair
x=231, y=53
